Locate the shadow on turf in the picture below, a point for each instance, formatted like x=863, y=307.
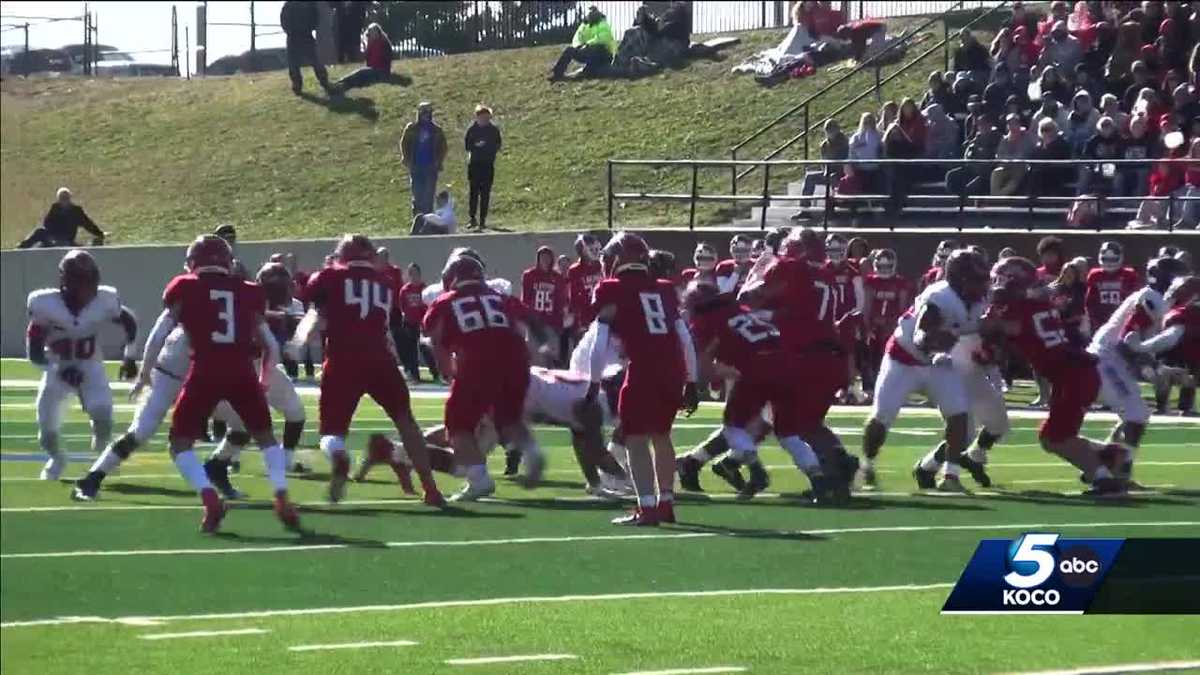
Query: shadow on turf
x=136, y=489
x=747, y=533
x=305, y=538
x=1059, y=499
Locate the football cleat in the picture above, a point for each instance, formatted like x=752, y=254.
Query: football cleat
x=214, y=511
x=535, y=465
x=235, y=466
x=688, y=468
x=217, y=471
x=729, y=470
x=603, y=492
x=950, y=484
x=338, y=477
x=1106, y=487
x=926, y=480
x=473, y=493
x=869, y=481
x=512, y=462
x=286, y=512
x=53, y=467
x=759, y=481
x=86, y=489
x=300, y=469
x=639, y=517
x=666, y=512
x=433, y=497
x=978, y=470
x=824, y=490
x=616, y=484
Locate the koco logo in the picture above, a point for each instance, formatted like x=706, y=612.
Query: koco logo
x=1032, y=560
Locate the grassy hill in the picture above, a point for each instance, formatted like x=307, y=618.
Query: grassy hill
x=158, y=160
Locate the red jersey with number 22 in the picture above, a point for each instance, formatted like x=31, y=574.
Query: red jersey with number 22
x=356, y=302
x=220, y=315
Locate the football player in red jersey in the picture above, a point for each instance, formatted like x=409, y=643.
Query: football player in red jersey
x=731, y=274
x=582, y=278
x=354, y=300
x=704, y=259
x=730, y=336
x=223, y=319
x=1179, y=339
x=1050, y=254
x=1025, y=320
x=940, y=256
x=544, y=292
x=662, y=267
x=850, y=297
x=888, y=295
x=477, y=337
x=643, y=312
x=1109, y=284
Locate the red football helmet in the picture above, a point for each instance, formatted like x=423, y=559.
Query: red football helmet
x=885, y=263
x=1184, y=291
x=705, y=257
x=662, y=264
x=78, y=278
x=805, y=244
x=1012, y=278
x=967, y=274
x=209, y=253
x=625, y=251
x=356, y=250
x=461, y=270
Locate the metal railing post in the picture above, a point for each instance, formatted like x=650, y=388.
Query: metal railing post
x=610, y=194
x=878, y=86
x=762, y=221
x=733, y=173
x=945, y=44
x=695, y=193
x=806, y=130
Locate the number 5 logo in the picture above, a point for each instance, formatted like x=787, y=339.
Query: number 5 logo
x=1030, y=561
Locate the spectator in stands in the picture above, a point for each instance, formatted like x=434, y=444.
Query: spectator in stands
x=654, y=42
x=1062, y=50
x=942, y=136
x=1016, y=143
x=1023, y=18
x=960, y=91
x=1185, y=103
x=1110, y=106
x=1050, y=110
x=1104, y=145
x=865, y=144
x=440, y=221
x=299, y=20
x=1150, y=106
x=61, y=224
x=1118, y=68
x=422, y=151
x=1051, y=83
x=1003, y=51
x=1084, y=81
x=913, y=124
x=482, y=142
x=973, y=179
x=1141, y=80
x=998, y=90
x=1134, y=180
x=936, y=90
x=971, y=57
x=835, y=147
x=1152, y=16
x=1166, y=180
x=1028, y=51
x=904, y=139
x=887, y=114
x=378, y=50
x=1013, y=106
x=976, y=117
x=1097, y=55
x=1059, y=11
x=866, y=37
x=593, y=45
x=1189, y=209
x=1081, y=121
x=1050, y=179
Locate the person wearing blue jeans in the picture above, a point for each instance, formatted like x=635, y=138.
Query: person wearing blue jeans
x=422, y=151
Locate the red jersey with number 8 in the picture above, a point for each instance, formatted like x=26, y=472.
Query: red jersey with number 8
x=646, y=312
x=219, y=313
x=356, y=302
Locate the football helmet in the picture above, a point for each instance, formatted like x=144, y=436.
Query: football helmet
x=806, y=244
x=1183, y=291
x=662, y=264
x=885, y=263
x=78, y=278
x=625, y=251
x=209, y=253
x=967, y=274
x=835, y=248
x=1012, y=278
x=757, y=248
x=1111, y=256
x=467, y=251
x=1162, y=272
x=1168, y=251
x=944, y=249
x=740, y=249
x=355, y=250
x=705, y=257
x=461, y=270
x=587, y=247
x=983, y=253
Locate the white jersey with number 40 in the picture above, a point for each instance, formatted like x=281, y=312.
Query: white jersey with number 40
x=72, y=337
x=957, y=318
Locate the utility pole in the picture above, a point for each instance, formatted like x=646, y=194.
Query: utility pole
x=187, y=52
x=253, y=31
x=174, y=41
x=28, y=61
x=201, y=38
x=87, y=41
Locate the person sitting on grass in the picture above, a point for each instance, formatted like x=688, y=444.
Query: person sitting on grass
x=593, y=46
x=441, y=221
x=61, y=224
x=377, y=49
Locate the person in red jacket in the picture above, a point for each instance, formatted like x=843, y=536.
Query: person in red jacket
x=411, y=310
x=377, y=49
x=544, y=292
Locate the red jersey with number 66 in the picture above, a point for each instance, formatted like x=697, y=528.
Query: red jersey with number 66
x=480, y=327
x=356, y=303
x=220, y=315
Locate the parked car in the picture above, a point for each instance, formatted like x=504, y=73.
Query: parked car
x=21, y=62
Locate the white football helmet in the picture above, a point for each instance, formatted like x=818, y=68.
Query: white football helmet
x=705, y=257
x=1112, y=256
x=835, y=248
x=740, y=249
x=885, y=263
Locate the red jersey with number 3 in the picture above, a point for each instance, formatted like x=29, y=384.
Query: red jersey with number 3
x=741, y=335
x=1041, y=335
x=480, y=327
x=804, y=304
x=220, y=315
x=646, y=312
x=1106, y=291
x=1188, y=348
x=544, y=292
x=356, y=303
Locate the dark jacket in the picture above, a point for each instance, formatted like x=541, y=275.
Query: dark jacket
x=972, y=57
x=62, y=223
x=299, y=19
x=482, y=143
x=1099, y=147
x=408, y=143
x=1052, y=178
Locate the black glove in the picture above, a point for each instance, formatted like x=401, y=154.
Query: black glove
x=129, y=370
x=71, y=375
x=691, y=399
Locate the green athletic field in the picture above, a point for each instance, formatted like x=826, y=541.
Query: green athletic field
x=386, y=585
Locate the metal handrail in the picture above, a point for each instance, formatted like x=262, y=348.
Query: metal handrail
x=803, y=135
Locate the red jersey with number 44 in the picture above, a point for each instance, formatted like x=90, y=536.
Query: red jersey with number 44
x=805, y=305
x=356, y=303
x=220, y=315
x=741, y=334
x=1105, y=292
x=646, y=312
x=1041, y=335
x=544, y=292
x=480, y=326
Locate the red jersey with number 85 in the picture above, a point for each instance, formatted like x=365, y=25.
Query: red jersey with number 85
x=646, y=312
x=356, y=302
x=480, y=326
x=219, y=313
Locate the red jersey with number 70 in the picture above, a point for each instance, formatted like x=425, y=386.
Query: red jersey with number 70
x=1042, y=338
x=480, y=326
x=220, y=315
x=803, y=302
x=356, y=303
x=646, y=312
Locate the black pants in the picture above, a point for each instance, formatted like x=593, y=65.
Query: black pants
x=302, y=51
x=42, y=237
x=406, y=339
x=480, y=175
x=595, y=58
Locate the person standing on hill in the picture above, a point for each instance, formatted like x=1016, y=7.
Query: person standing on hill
x=299, y=20
x=61, y=224
x=482, y=143
x=422, y=151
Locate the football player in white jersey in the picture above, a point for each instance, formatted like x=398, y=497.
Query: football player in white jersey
x=918, y=358
x=64, y=324
x=1141, y=312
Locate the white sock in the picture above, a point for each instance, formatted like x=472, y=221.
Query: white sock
x=802, y=454
x=106, y=462
x=977, y=454
x=276, y=463
x=1101, y=473
x=227, y=451
x=647, y=501
x=951, y=469
x=620, y=453
x=189, y=467
x=101, y=434
x=334, y=445
x=477, y=473
x=868, y=463
x=929, y=461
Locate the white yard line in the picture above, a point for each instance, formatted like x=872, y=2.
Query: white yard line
x=1158, y=666
x=688, y=671
x=351, y=645
x=484, y=602
x=204, y=633
x=483, y=660
x=116, y=477
x=302, y=548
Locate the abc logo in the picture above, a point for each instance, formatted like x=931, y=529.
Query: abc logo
x=1078, y=567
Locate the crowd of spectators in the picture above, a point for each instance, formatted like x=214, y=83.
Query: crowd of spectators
x=1097, y=81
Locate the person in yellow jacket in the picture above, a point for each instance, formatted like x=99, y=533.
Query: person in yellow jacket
x=593, y=46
